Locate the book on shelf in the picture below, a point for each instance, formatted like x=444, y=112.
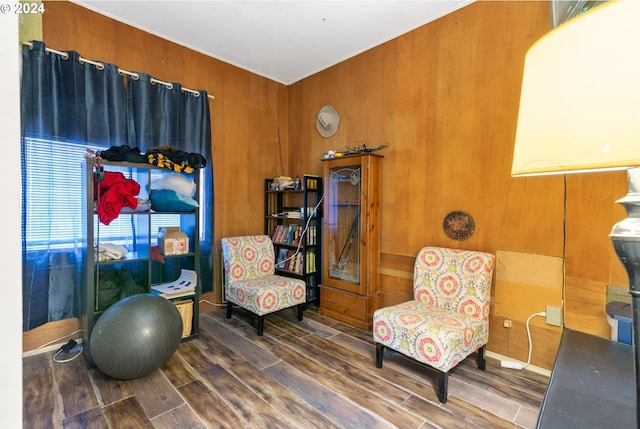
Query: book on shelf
x=277, y=231
x=311, y=236
x=293, y=262
x=291, y=234
x=310, y=181
x=284, y=182
x=299, y=263
x=310, y=263
x=185, y=285
x=277, y=234
x=287, y=234
x=282, y=256
x=307, y=212
x=289, y=264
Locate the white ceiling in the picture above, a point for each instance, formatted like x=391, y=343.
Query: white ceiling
x=285, y=41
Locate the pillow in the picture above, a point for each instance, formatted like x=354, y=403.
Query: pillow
x=176, y=182
x=165, y=200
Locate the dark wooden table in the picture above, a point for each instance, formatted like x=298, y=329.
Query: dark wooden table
x=592, y=385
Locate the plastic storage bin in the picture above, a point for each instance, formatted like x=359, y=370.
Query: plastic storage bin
x=619, y=317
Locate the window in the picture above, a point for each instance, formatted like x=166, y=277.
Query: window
x=54, y=197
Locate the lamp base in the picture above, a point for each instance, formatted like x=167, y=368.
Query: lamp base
x=625, y=236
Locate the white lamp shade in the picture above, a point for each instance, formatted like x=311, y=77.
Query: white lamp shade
x=580, y=100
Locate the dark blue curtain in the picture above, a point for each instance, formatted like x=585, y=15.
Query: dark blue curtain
x=163, y=116
x=62, y=100
x=68, y=103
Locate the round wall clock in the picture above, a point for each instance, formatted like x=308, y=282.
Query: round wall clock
x=458, y=225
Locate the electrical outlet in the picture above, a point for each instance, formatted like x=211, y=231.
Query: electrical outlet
x=554, y=315
x=506, y=323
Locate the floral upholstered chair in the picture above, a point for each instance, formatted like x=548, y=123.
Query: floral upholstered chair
x=448, y=319
x=251, y=282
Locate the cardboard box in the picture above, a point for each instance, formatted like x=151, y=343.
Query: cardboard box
x=619, y=316
x=172, y=241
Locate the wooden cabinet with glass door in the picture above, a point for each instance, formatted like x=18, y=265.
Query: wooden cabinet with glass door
x=350, y=289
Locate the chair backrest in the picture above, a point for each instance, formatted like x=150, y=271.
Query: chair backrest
x=247, y=257
x=458, y=280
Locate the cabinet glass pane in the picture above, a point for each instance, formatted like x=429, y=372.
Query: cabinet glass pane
x=343, y=222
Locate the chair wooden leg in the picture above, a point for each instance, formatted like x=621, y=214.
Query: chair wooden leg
x=229, y=307
x=482, y=361
x=443, y=384
x=260, y=325
x=300, y=311
x=379, y=354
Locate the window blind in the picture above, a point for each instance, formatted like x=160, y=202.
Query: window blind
x=54, y=191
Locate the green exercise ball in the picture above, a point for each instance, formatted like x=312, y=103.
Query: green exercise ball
x=136, y=336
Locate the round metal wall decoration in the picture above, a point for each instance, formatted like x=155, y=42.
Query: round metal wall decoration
x=458, y=225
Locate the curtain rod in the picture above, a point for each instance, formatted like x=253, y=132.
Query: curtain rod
x=133, y=75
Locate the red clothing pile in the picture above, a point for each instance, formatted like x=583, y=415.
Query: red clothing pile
x=113, y=193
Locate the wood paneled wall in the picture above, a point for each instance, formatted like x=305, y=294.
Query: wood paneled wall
x=445, y=97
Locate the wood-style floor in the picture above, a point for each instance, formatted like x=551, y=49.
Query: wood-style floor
x=317, y=373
